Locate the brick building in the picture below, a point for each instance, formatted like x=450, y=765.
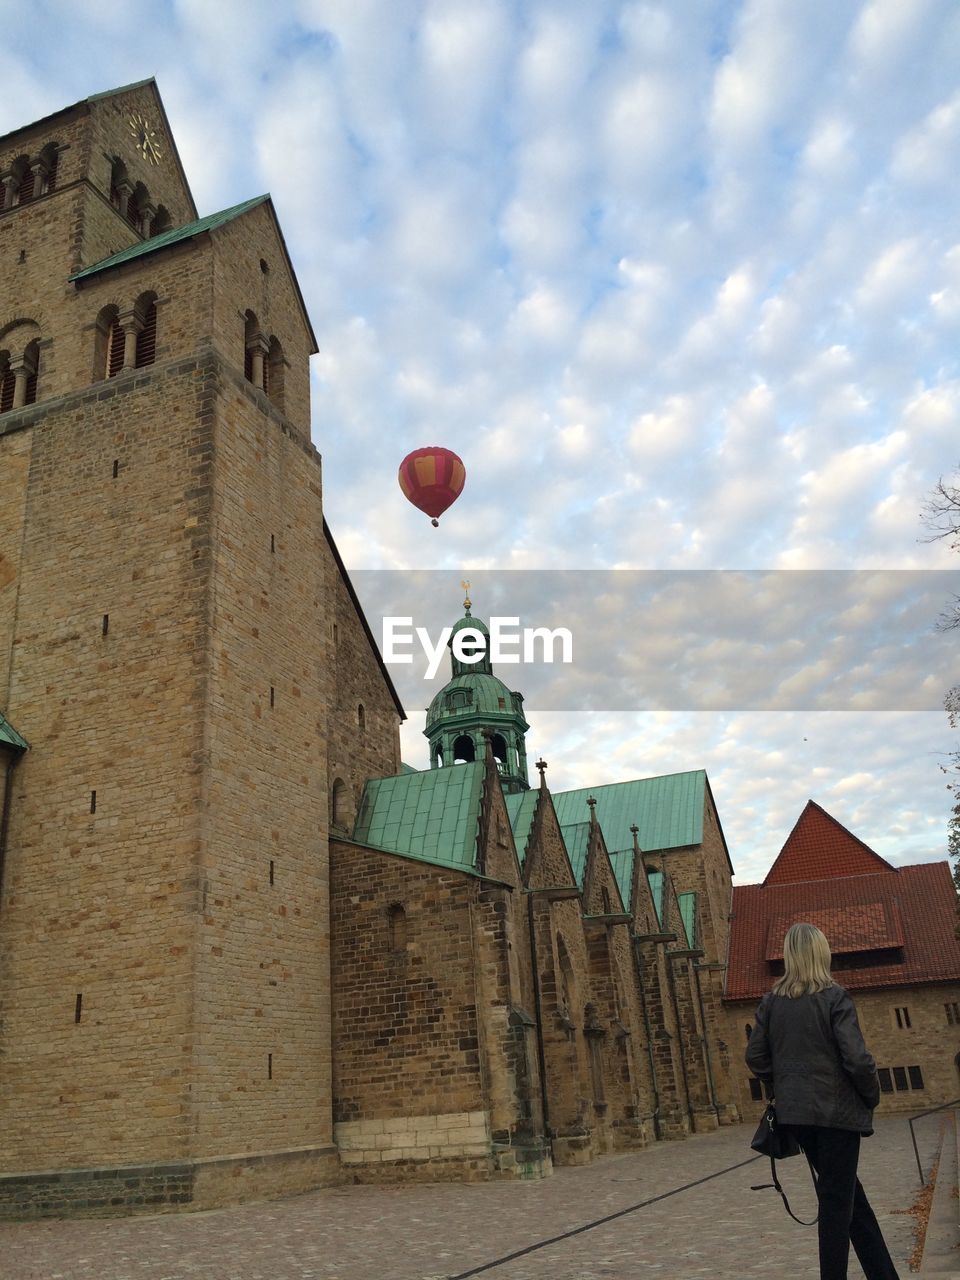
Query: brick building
x=892, y=932
x=243, y=951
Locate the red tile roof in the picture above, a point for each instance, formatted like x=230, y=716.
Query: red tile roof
x=819, y=848
x=913, y=907
x=867, y=926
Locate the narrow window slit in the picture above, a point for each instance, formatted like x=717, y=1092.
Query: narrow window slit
x=116, y=467
x=106, y=623
x=78, y=1007
x=272, y=696
x=269, y=1066
x=271, y=871
x=93, y=802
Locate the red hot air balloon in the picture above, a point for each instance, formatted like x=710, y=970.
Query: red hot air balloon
x=432, y=479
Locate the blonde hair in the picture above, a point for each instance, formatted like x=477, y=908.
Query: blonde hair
x=806, y=961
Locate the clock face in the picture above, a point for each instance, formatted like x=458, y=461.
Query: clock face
x=146, y=138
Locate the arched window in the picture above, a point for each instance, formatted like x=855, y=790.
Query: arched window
x=146, y=310
x=120, y=187
x=49, y=158
x=162, y=222
x=254, y=352
x=135, y=205
x=31, y=360
x=397, y=929
x=749, y=1030
x=107, y=344
x=6, y=382
x=338, y=804
x=499, y=745
x=25, y=180
x=273, y=373
x=464, y=751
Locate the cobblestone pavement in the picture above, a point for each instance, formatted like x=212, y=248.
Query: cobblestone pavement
x=719, y=1228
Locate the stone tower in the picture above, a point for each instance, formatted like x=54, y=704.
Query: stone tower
x=184, y=655
x=473, y=700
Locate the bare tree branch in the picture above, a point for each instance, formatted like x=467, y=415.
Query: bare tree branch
x=941, y=513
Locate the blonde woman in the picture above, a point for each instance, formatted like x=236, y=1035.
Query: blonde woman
x=806, y=1042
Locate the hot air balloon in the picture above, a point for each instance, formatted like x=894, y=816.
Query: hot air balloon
x=432, y=479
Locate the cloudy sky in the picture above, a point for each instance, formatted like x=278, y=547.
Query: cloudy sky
x=680, y=282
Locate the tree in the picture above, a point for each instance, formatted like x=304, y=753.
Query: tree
x=941, y=515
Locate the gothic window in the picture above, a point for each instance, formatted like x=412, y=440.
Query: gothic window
x=146, y=310
x=464, y=751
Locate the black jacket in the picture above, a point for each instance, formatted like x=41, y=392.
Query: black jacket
x=811, y=1049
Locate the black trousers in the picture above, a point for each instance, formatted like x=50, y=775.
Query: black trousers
x=845, y=1214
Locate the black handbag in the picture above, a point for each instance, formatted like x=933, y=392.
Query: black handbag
x=772, y=1140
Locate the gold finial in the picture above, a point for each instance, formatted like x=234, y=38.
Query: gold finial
x=466, y=598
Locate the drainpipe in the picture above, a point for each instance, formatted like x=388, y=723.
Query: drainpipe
x=12, y=761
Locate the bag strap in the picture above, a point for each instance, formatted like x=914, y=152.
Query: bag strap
x=775, y=1186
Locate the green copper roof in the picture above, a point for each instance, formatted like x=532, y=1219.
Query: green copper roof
x=209, y=223
x=687, y=903
x=576, y=837
x=9, y=735
x=622, y=863
x=668, y=810
x=521, y=807
x=430, y=814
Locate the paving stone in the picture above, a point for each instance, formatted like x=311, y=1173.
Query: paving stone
x=719, y=1228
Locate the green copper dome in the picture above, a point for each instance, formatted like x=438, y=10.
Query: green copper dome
x=478, y=694
x=475, y=711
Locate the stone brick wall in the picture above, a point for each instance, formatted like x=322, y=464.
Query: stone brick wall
x=262, y=1018
x=358, y=747
x=405, y=1004
x=95, y=921
x=240, y=284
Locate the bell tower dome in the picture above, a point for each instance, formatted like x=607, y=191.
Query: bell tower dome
x=474, y=700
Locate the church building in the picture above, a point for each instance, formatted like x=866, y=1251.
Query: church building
x=244, y=951
x=893, y=937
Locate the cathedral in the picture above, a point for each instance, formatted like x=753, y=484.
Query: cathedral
x=245, y=950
